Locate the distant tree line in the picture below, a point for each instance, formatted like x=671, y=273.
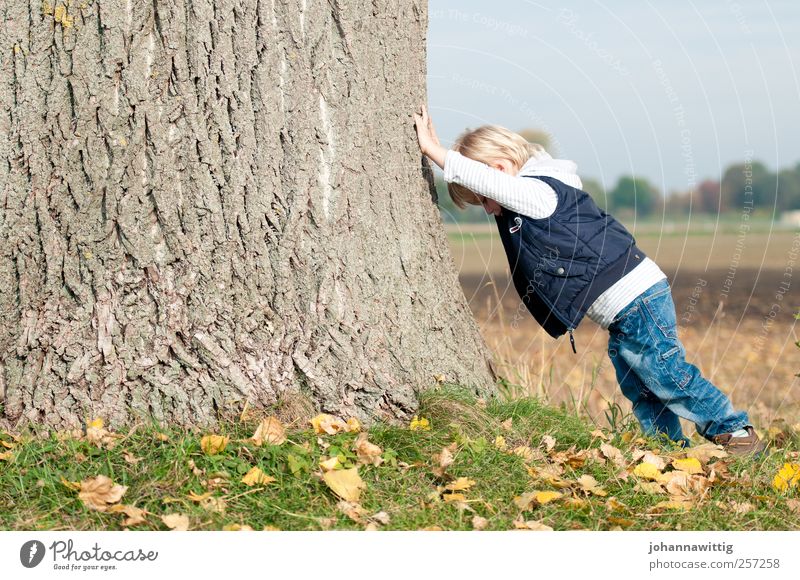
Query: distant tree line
x=742, y=186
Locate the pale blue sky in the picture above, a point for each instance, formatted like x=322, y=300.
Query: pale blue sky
x=673, y=91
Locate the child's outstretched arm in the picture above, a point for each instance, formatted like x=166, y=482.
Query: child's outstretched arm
x=530, y=197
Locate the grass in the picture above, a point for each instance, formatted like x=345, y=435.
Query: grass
x=161, y=467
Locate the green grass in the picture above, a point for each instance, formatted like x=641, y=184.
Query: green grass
x=33, y=497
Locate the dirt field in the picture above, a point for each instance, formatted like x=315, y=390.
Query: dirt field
x=732, y=322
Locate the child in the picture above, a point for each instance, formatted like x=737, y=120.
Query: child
x=570, y=259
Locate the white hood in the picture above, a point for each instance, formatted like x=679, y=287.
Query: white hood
x=544, y=163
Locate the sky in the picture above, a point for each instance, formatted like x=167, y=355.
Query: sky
x=671, y=91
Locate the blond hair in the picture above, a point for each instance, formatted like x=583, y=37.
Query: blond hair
x=487, y=144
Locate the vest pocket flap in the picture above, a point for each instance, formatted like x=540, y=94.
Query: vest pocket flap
x=564, y=268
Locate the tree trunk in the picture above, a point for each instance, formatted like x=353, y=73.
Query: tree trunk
x=212, y=203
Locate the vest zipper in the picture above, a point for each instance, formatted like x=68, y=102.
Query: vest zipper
x=572, y=341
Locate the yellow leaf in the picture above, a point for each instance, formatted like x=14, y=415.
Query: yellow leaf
x=647, y=471
x=419, y=424
x=670, y=505
x=6, y=456
x=95, y=423
x=257, y=477
x=346, y=483
x=453, y=497
x=525, y=452
x=271, y=431
x=195, y=497
x=324, y=423
x=353, y=425
x=689, y=465
x=788, y=476
x=627, y=437
x=161, y=436
x=213, y=444
x=460, y=484
x=177, y=522
x=73, y=485
x=100, y=492
x=544, y=497
x=500, y=443
x=236, y=528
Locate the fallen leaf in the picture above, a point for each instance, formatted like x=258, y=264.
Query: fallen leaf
x=535, y=525
x=73, y=485
x=270, y=431
x=794, y=505
x=453, y=497
x=134, y=515
x=256, y=477
x=742, y=507
x=689, y=465
x=353, y=425
x=444, y=459
x=236, y=528
x=652, y=458
x=705, y=452
x=177, y=522
x=198, y=498
x=419, y=424
x=479, y=523
x=6, y=456
x=325, y=423
x=613, y=454
x=352, y=510
x=213, y=444
x=99, y=493
x=460, y=484
x=367, y=453
x=788, y=476
x=649, y=487
x=549, y=442
x=601, y=434
x=647, y=471
x=330, y=463
x=500, y=443
x=544, y=497
x=589, y=484
x=614, y=504
x=346, y=483
x=621, y=521
x=381, y=517
x=132, y=459
x=575, y=502
x=508, y=424
x=525, y=452
x=670, y=505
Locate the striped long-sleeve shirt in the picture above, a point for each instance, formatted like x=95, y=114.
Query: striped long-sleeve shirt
x=536, y=199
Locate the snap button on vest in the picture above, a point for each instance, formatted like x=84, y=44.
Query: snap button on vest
x=560, y=270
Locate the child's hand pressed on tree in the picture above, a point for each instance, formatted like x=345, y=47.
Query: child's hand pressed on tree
x=426, y=135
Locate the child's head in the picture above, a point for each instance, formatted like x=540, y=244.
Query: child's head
x=496, y=146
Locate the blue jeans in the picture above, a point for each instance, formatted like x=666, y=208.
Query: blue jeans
x=653, y=374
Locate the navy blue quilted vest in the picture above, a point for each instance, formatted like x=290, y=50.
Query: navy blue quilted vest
x=562, y=263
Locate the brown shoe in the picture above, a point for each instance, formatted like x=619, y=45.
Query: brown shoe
x=741, y=445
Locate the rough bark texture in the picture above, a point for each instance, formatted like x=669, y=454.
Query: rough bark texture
x=207, y=202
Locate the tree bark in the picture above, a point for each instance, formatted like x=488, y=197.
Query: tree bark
x=207, y=203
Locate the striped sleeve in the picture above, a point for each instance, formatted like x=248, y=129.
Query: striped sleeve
x=530, y=197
